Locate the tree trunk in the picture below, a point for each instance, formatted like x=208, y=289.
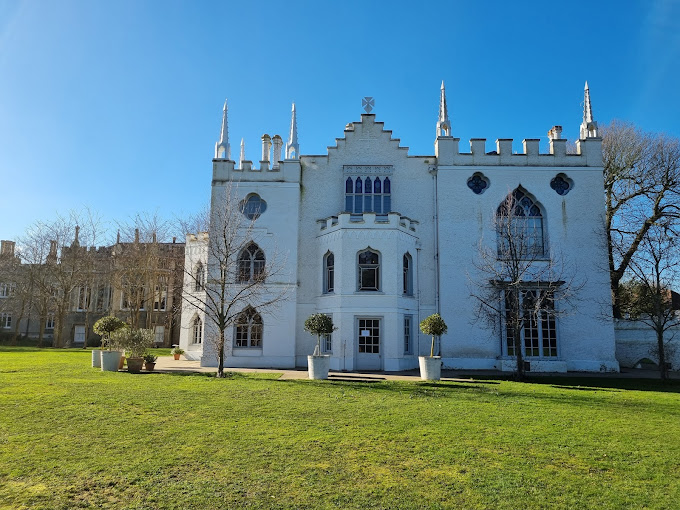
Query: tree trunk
x=220, y=356
x=663, y=369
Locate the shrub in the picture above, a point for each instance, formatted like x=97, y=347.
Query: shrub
x=134, y=341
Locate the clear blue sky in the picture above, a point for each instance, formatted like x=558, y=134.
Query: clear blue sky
x=117, y=105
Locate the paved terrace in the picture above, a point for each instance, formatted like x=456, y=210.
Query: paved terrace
x=168, y=364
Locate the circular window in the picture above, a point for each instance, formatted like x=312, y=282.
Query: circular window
x=253, y=206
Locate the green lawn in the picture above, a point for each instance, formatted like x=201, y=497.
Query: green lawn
x=74, y=437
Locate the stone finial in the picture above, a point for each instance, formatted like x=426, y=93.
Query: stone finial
x=278, y=144
x=266, y=147
x=118, y=237
x=76, y=241
x=222, y=149
x=243, y=152
x=292, y=147
x=136, y=235
x=555, y=133
x=443, y=124
x=588, y=126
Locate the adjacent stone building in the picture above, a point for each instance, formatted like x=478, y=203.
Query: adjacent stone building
x=140, y=282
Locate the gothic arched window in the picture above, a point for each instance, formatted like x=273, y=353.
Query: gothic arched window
x=329, y=273
x=248, y=329
x=251, y=264
x=408, y=274
x=369, y=270
x=197, y=331
x=199, y=277
x=519, y=227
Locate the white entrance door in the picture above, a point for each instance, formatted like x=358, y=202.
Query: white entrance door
x=79, y=335
x=368, y=344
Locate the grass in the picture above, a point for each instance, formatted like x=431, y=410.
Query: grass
x=75, y=437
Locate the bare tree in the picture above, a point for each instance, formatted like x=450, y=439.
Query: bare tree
x=140, y=267
x=237, y=282
x=642, y=187
x=647, y=296
x=519, y=281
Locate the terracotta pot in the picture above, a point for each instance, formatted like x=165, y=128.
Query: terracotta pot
x=149, y=367
x=135, y=365
x=176, y=356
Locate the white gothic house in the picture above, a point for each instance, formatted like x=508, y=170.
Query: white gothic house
x=379, y=239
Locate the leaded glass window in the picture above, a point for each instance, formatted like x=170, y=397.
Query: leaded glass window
x=251, y=264
x=248, y=329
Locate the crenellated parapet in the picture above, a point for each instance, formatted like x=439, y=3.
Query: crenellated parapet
x=226, y=170
x=373, y=221
x=588, y=153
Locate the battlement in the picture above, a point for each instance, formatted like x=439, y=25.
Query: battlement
x=393, y=220
x=225, y=170
x=588, y=153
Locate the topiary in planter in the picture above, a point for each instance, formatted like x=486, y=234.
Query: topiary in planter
x=433, y=325
x=319, y=324
x=105, y=326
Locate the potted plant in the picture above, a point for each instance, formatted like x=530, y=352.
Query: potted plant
x=149, y=361
x=136, y=342
x=431, y=366
x=111, y=356
x=176, y=351
x=318, y=364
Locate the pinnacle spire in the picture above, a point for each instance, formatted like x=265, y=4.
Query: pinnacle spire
x=588, y=126
x=222, y=149
x=292, y=147
x=443, y=123
x=243, y=150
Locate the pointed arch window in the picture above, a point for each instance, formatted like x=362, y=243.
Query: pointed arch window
x=199, y=277
x=407, y=267
x=248, y=329
x=329, y=273
x=197, y=331
x=251, y=264
x=519, y=227
x=369, y=270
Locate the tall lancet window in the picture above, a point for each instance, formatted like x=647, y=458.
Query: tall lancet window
x=368, y=194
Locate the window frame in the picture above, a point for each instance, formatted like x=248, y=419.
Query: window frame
x=367, y=267
x=527, y=220
x=408, y=334
x=540, y=323
x=250, y=262
x=197, y=331
x=252, y=324
x=407, y=270
x=329, y=273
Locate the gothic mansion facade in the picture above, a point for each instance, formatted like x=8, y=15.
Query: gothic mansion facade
x=394, y=237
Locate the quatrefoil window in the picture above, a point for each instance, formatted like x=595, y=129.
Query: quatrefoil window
x=478, y=183
x=253, y=207
x=561, y=184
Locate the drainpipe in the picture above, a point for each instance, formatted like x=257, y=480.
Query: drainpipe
x=433, y=171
